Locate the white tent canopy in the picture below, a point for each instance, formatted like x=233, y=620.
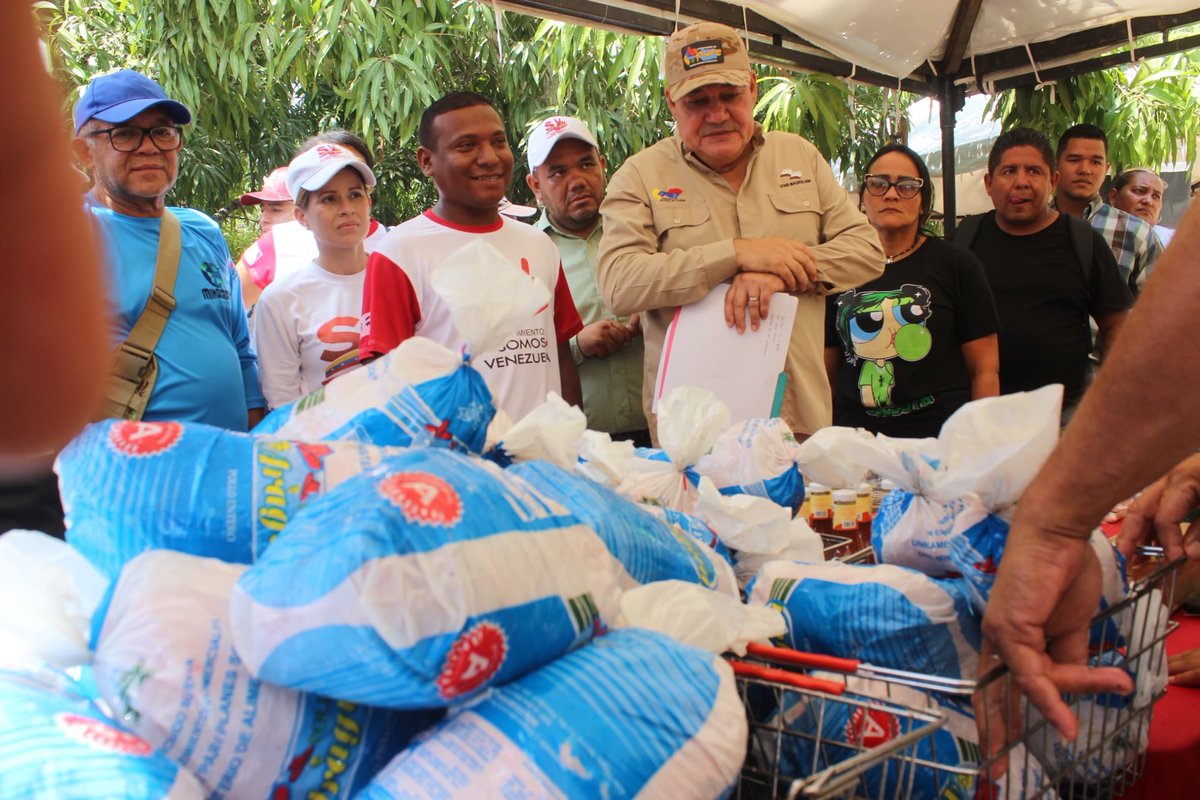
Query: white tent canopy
x=942, y=48
x=894, y=38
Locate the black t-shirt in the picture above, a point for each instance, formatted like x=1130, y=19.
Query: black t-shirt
x=901, y=336
x=1045, y=297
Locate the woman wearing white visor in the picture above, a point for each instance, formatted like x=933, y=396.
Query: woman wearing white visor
x=306, y=325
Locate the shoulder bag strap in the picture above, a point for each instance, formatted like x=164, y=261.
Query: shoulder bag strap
x=134, y=368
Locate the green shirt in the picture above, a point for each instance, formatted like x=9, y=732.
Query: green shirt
x=612, y=386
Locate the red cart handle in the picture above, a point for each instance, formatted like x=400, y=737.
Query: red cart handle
x=746, y=669
x=786, y=655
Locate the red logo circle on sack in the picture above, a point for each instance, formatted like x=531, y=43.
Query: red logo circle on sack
x=871, y=727
x=424, y=498
x=101, y=735
x=144, y=438
x=473, y=660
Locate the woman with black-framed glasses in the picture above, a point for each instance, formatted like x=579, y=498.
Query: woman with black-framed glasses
x=906, y=350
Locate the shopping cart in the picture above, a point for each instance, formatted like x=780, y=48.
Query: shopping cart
x=828, y=727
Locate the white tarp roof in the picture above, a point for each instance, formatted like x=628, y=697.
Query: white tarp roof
x=895, y=37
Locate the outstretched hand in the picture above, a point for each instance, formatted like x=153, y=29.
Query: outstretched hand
x=1047, y=590
x=1157, y=512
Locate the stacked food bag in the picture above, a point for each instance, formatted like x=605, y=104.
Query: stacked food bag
x=386, y=592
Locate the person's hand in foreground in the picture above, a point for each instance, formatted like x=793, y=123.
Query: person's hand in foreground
x=1158, y=510
x=1184, y=668
x=1046, y=592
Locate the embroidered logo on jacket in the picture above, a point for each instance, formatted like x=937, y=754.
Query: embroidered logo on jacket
x=792, y=177
x=673, y=195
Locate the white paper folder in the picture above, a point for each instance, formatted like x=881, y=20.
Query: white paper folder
x=743, y=370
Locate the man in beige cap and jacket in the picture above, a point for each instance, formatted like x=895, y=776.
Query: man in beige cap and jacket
x=722, y=201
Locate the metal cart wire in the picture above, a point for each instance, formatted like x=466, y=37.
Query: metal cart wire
x=823, y=727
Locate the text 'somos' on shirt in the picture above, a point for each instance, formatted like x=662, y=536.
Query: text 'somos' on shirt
x=399, y=302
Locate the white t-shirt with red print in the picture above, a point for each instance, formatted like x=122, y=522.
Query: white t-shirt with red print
x=306, y=331
x=398, y=303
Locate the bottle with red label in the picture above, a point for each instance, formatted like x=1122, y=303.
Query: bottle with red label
x=820, y=515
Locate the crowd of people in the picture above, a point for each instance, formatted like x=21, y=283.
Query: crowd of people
x=895, y=328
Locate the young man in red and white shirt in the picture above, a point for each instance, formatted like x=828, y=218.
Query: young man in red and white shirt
x=465, y=151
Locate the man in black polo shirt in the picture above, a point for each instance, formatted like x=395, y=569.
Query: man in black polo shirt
x=1044, y=291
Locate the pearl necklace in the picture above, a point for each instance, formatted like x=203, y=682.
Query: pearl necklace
x=905, y=251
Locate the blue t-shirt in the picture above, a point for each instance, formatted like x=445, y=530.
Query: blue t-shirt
x=207, y=371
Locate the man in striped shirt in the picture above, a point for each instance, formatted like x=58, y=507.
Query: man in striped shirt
x=1082, y=167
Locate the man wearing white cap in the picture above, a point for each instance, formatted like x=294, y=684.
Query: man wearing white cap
x=722, y=201
x=567, y=175
x=306, y=326
x=169, y=268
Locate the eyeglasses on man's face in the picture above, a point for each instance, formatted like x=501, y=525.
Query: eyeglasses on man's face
x=907, y=188
x=127, y=138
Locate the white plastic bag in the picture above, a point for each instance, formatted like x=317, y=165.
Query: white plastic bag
x=48, y=592
x=689, y=420
x=699, y=617
x=602, y=459
x=551, y=432
x=487, y=295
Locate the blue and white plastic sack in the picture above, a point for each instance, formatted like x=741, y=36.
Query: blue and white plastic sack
x=988, y=451
x=165, y=663
x=885, y=615
x=1114, y=730
x=632, y=714
x=446, y=575
x=56, y=743
x=756, y=457
x=870, y=714
x=421, y=393
x=128, y=487
x=648, y=549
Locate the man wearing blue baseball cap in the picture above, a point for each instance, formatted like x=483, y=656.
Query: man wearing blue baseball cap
x=182, y=343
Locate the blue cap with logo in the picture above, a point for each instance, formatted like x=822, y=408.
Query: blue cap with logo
x=120, y=96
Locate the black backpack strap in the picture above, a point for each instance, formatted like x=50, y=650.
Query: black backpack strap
x=966, y=231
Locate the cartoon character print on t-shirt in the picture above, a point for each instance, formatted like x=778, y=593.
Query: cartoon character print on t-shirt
x=878, y=327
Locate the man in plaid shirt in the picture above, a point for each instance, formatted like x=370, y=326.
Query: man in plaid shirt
x=1082, y=167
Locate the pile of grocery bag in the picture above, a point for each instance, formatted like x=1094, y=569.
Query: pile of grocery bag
x=384, y=592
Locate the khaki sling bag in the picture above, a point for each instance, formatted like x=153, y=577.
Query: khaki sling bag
x=134, y=367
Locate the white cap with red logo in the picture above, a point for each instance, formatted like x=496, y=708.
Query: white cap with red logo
x=550, y=132
x=314, y=168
